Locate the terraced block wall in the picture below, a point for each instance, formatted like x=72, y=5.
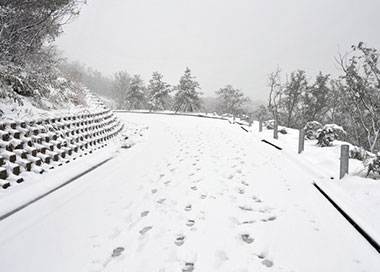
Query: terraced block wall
x=39, y=145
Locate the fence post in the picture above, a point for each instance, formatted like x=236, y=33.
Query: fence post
x=260, y=125
x=250, y=119
x=301, y=141
x=275, y=130
x=343, y=160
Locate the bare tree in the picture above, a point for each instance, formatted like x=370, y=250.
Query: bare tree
x=275, y=93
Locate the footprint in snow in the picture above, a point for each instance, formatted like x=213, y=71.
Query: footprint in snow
x=248, y=222
x=194, y=188
x=167, y=182
x=179, y=240
x=154, y=191
x=247, y=238
x=160, y=201
x=256, y=199
x=189, y=267
x=144, y=213
x=246, y=208
x=145, y=230
x=188, y=207
x=117, y=252
x=244, y=183
x=270, y=218
x=241, y=191
x=190, y=222
x=267, y=263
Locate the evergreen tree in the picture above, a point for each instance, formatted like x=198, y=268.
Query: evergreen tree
x=121, y=87
x=187, y=97
x=135, y=96
x=158, y=92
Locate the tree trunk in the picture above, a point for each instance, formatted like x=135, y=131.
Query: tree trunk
x=375, y=141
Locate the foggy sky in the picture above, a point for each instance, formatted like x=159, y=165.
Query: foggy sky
x=237, y=42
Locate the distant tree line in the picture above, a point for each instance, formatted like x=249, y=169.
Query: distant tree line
x=352, y=100
x=131, y=92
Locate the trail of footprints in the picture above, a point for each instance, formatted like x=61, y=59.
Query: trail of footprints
x=254, y=206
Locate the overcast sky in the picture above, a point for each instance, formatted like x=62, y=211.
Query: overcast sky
x=237, y=42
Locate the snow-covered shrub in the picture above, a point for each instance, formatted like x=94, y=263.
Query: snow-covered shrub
x=44, y=87
x=374, y=165
x=283, y=131
x=269, y=124
x=328, y=134
x=359, y=153
x=311, y=129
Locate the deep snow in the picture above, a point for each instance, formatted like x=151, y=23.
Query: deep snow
x=195, y=195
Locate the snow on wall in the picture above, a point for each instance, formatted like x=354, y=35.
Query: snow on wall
x=42, y=144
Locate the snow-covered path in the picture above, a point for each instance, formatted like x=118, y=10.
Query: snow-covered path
x=195, y=195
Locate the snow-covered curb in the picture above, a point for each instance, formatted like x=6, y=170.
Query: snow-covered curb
x=38, y=185
x=362, y=213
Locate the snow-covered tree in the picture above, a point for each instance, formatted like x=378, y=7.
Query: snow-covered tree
x=121, y=87
x=231, y=100
x=187, y=96
x=27, y=25
x=159, y=90
x=362, y=87
x=135, y=97
x=316, y=100
x=293, y=91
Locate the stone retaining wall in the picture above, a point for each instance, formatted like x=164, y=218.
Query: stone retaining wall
x=39, y=145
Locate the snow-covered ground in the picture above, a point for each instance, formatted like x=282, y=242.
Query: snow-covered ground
x=195, y=195
x=359, y=197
